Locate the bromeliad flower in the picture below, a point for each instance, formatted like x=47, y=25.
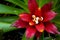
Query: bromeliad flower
x=37, y=20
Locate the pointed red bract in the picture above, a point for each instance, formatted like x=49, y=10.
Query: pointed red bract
x=47, y=7
x=20, y=24
x=40, y=27
x=25, y=17
x=38, y=12
x=30, y=32
x=51, y=28
x=32, y=5
x=49, y=15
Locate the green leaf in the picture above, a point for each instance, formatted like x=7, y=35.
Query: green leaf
x=56, y=6
x=48, y=38
x=57, y=37
x=26, y=2
x=9, y=19
x=20, y=4
x=57, y=19
x=1, y=33
x=58, y=26
x=24, y=38
x=54, y=3
x=9, y=10
x=42, y=2
x=42, y=36
x=57, y=9
x=5, y=27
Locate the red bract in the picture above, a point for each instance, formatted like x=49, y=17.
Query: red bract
x=37, y=20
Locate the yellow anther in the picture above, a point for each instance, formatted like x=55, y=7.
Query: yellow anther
x=31, y=23
x=39, y=8
x=41, y=30
x=41, y=18
x=33, y=16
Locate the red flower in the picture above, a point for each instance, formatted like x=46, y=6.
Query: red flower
x=37, y=20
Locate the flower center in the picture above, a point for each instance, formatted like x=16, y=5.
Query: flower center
x=37, y=19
